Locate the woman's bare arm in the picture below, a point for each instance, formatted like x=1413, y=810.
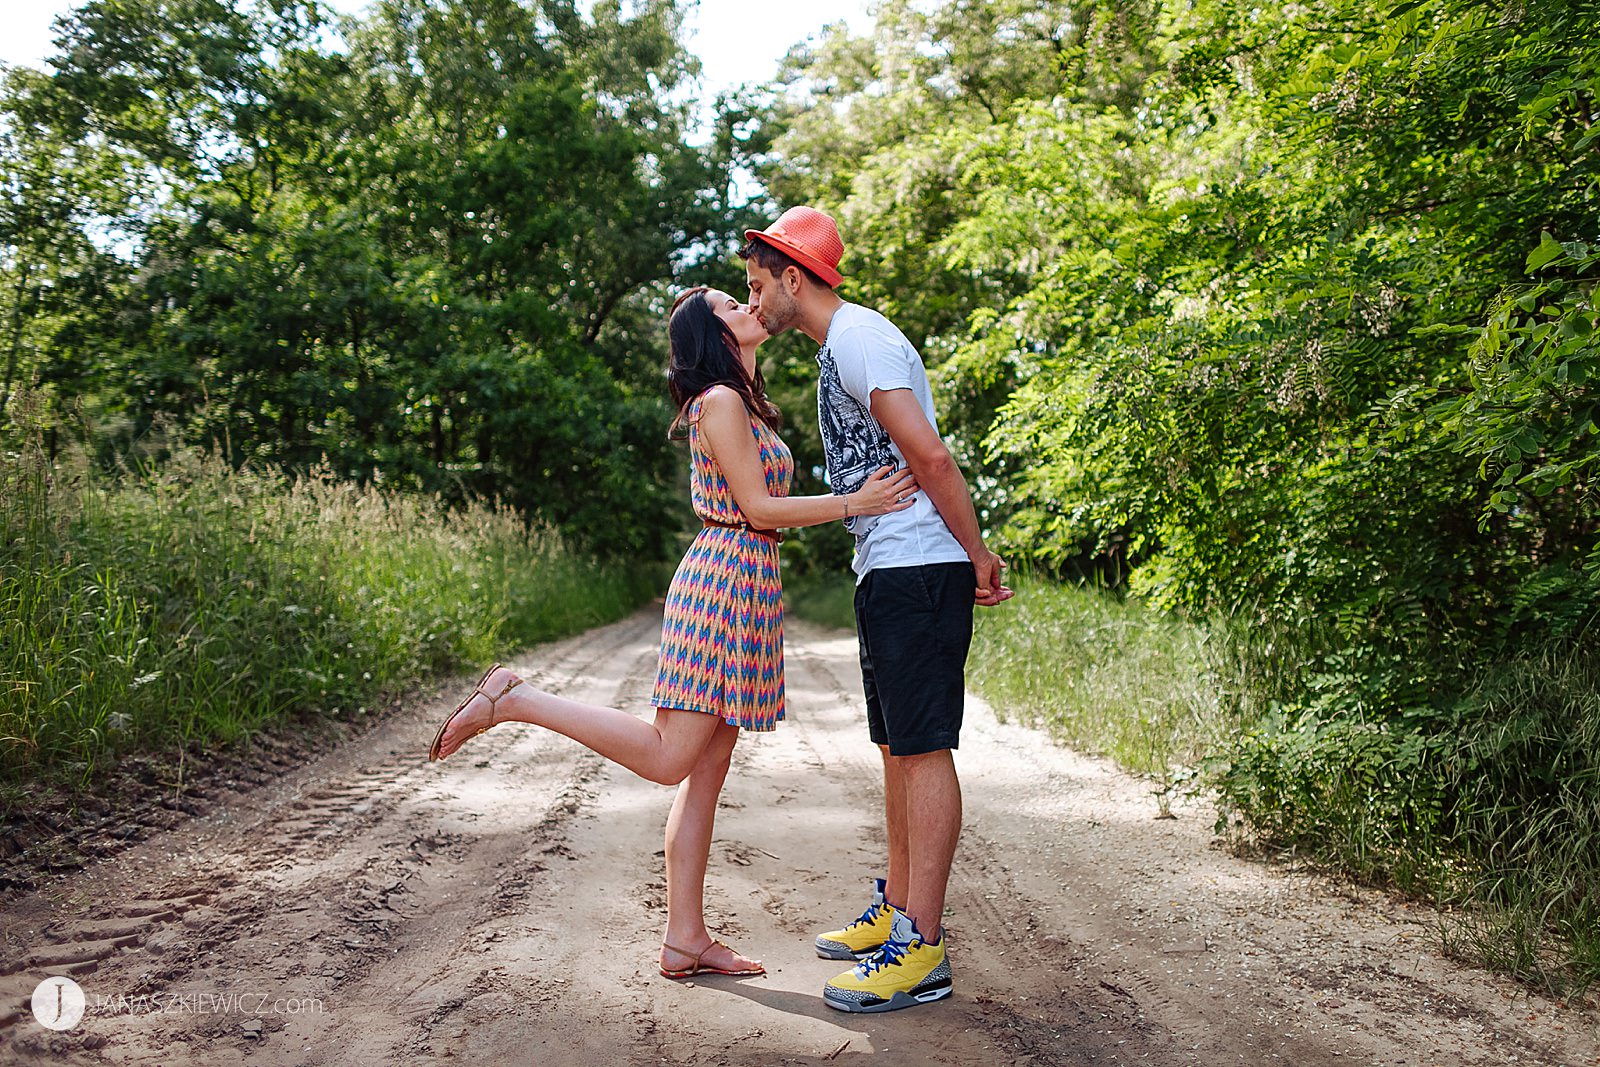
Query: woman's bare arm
x=725, y=430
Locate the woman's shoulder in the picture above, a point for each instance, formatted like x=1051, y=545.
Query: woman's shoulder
x=718, y=401
x=721, y=400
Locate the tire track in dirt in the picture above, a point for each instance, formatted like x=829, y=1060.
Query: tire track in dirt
x=301, y=893
x=507, y=906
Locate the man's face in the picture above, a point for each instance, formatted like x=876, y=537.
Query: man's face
x=771, y=300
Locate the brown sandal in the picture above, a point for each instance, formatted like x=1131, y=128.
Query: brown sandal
x=477, y=690
x=699, y=968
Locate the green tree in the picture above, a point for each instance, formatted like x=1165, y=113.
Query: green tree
x=58, y=286
x=409, y=255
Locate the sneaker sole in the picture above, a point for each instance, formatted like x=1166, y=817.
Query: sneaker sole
x=894, y=1003
x=832, y=950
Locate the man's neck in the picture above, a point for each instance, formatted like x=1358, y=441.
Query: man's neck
x=816, y=317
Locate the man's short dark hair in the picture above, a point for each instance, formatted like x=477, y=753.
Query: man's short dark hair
x=776, y=262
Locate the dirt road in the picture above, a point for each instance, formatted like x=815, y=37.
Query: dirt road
x=505, y=907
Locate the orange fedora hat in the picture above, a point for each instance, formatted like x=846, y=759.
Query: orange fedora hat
x=810, y=237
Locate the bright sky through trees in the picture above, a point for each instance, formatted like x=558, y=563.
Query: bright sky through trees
x=737, y=43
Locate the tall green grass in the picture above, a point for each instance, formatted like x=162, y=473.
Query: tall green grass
x=1526, y=777
x=1107, y=675
x=1484, y=798
x=193, y=603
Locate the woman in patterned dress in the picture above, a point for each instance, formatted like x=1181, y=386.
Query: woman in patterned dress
x=721, y=663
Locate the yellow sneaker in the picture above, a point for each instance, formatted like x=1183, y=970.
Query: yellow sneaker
x=907, y=972
x=863, y=937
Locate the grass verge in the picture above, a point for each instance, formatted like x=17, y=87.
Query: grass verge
x=1106, y=675
x=167, y=608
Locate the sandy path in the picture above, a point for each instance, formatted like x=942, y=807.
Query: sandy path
x=505, y=907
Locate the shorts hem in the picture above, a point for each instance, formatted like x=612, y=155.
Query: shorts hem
x=921, y=746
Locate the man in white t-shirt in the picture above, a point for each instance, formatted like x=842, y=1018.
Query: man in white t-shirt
x=919, y=573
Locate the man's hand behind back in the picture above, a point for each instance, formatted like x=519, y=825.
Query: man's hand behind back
x=990, y=591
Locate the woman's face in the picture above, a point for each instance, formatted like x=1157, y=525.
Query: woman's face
x=747, y=329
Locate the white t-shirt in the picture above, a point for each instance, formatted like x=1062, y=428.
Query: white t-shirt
x=864, y=352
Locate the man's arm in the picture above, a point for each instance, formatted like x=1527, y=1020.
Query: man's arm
x=938, y=474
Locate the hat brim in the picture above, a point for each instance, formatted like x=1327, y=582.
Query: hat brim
x=828, y=274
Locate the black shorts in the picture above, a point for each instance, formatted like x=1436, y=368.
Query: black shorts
x=915, y=627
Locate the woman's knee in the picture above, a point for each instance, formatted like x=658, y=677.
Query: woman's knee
x=672, y=771
x=708, y=764
x=686, y=737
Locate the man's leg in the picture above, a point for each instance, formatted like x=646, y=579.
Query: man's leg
x=916, y=623
x=897, y=886
x=925, y=821
x=933, y=791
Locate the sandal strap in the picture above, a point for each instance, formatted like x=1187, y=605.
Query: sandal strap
x=477, y=691
x=695, y=956
x=735, y=952
x=494, y=700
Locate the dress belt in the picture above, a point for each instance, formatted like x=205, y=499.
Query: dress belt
x=775, y=536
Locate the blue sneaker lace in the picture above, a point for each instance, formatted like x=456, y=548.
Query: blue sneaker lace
x=888, y=957
x=870, y=914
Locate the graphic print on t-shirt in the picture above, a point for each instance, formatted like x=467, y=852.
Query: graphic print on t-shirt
x=854, y=442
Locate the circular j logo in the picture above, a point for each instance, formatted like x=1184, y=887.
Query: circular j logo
x=58, y=1003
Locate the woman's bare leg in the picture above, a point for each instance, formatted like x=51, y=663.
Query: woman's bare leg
x=664, y=751
x=689, y=830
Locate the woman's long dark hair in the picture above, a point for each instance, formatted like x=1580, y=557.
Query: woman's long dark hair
x=705, y=353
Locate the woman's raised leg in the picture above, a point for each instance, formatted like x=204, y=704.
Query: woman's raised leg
x=689, y=830
x=664, y=751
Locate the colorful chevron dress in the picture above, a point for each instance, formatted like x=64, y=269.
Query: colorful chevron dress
x=722, y=633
